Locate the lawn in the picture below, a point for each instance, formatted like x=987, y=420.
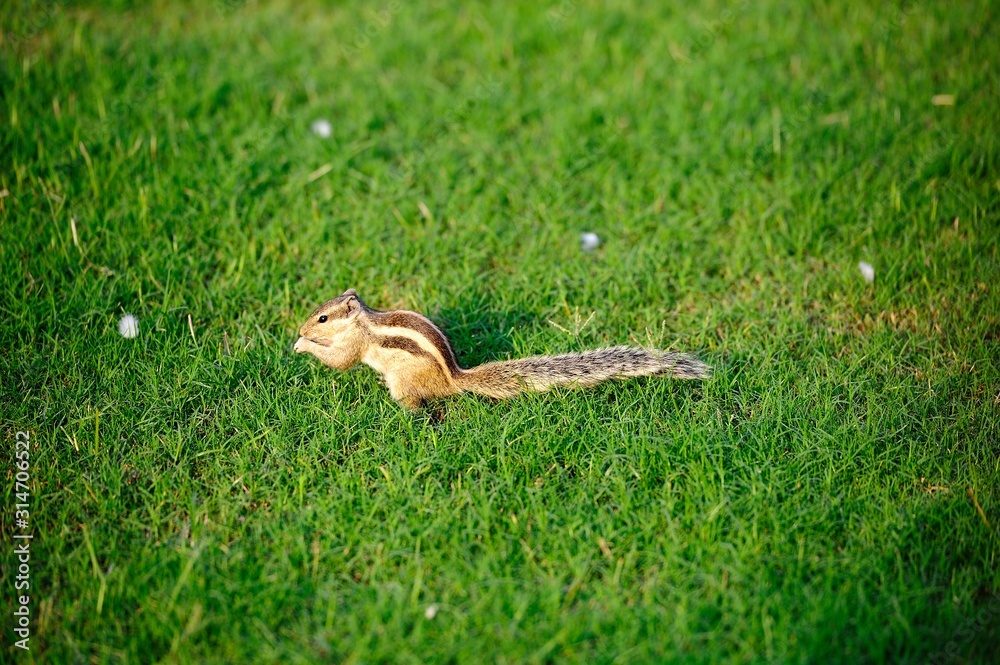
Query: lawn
x=200, y=493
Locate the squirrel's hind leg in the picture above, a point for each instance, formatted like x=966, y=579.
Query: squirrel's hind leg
x=412, y=401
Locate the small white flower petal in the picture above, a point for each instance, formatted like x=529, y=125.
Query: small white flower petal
x=322, y=128
x=128, y=326
x=867, y=271
x=589, y=241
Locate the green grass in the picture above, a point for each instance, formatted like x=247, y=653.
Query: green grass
x=202, y=494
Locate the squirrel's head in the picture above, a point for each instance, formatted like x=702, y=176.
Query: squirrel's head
x=331, y=332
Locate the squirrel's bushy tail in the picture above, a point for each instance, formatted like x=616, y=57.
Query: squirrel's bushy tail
x=507, y=378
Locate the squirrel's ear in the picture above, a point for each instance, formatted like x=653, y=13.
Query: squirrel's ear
x=351, y=301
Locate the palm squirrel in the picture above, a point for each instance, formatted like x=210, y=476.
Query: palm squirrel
x=418, y=363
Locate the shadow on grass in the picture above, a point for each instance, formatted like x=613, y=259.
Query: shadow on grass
x=479, y=330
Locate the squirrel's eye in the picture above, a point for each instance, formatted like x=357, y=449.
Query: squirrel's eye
x=322, y=319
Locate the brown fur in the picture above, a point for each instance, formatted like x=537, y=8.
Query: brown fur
x=418, y=363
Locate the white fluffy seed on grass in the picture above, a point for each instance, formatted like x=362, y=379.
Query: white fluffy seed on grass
x=589, y=241
x=430, y=612
x=867, y=271
x=128, y=326
x=322, y=128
